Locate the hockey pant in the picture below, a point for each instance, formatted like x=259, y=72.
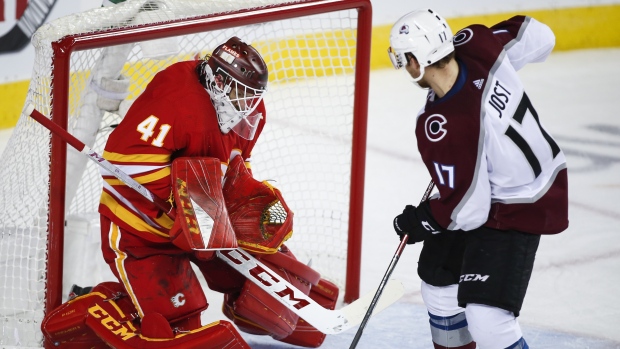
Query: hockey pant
x=157, y=277
x=158, y=280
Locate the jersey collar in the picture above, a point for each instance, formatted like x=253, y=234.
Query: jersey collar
x=458, y=85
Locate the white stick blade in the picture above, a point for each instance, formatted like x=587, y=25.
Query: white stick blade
x=356, y=311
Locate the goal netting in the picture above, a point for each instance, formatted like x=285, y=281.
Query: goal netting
x=90, y=66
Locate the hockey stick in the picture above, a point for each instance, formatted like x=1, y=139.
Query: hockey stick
x=390, y=269
x=324, y=320
x=98, y=159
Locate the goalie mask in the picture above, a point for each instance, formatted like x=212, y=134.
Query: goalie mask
x=422, y=33
x=235, y=76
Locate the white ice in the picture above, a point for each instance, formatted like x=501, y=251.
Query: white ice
x=573, y=297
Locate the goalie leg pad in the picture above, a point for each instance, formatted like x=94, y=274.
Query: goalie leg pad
x=326, y=294
x=65, y=326
x=255, y=311
x=107, y=320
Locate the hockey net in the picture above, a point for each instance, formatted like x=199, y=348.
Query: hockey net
x=313, y=146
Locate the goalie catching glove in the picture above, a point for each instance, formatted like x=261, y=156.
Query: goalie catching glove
x=260, y=218
x=417, y=222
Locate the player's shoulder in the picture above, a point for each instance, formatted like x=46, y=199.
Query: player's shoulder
x=474, y=37
x=176, y=76
x=174, y=93
x=178, y=82
x=183, y=67
x=477, y=47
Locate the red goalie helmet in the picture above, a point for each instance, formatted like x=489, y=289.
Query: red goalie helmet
x=235, y=76
x=242, y=62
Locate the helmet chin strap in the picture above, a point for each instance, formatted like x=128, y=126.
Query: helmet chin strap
x=416, y=80
x=419, y=76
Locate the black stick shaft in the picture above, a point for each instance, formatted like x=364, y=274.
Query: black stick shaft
x=386, y=277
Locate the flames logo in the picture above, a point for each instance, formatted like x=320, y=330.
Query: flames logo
x=178, y=300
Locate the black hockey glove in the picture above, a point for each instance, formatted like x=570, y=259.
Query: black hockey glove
x=417, y=222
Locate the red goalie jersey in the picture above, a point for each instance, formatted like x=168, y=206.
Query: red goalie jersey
x=173, y=117
x=492, y=159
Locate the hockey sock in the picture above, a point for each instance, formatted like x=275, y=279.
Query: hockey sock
x=520, y=344
x=450, y=332
x=493, y=327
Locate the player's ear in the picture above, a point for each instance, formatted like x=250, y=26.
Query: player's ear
x=409, y=56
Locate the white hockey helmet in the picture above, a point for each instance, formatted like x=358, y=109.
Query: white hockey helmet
x=425, y=34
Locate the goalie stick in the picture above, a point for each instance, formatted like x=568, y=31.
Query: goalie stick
x=98, y=159
x=324, y=320
x=390, y=269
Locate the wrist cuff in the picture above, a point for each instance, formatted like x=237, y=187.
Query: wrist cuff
x=425, y=216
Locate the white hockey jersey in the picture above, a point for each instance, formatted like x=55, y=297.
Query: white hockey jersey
x=493, y=161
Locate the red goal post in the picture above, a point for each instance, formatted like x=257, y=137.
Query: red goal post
x=318, y=54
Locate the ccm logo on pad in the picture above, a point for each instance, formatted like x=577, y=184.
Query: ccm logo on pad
x=267, y=279
x=110, y=323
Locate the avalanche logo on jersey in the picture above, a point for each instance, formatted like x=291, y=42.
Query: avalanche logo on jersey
x=463, y=36
x=434, y=127
x=404, y=29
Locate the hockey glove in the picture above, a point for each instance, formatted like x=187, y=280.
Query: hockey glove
x=417, y=222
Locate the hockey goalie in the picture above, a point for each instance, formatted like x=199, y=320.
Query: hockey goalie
x=188, y=137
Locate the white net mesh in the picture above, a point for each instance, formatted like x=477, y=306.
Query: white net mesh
x=306, y=146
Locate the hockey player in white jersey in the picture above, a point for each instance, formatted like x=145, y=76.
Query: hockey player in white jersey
x=501, y=177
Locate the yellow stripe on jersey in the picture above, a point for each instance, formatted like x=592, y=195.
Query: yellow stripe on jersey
x=114, y=238
x=137, y=158
x=133, y=219
x=151, y=177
